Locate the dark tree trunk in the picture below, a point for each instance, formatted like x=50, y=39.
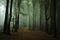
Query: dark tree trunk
x=34, y=16
x=46, y=9
x=53, y=17
x=41, y=10
x=15, y=20
x=19, y=2
x=47, y=15
x=10, y=17
x=17, y=17
x=55, y=31
x=6, y=17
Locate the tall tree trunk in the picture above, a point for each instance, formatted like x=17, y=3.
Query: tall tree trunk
x=6, y=17
x=47, y=15
x=55, y=31
x=10, y=17
x=51, y=11
x=41, y=3
x=29, y=14
x=46, y=9
x=19, y=2
x=15, y=23
x=53, y=17
x=17, y=16
x=34, y=16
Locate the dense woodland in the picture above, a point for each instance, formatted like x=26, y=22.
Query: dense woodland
x=35, y=15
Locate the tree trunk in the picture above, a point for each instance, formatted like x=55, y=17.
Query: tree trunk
x=6, y=17
x=15, y=9
x=19, y=2
x=53, y=17
x=10, y=17
x=17, y=16
x=34, y=16
x=46, y=9
x=29, y=14
x=55, y=31
x=41, y=3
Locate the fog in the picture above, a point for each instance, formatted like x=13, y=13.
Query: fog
x=2, y=14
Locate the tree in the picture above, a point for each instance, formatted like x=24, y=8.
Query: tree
x=34, y=15
x=46, y=15
x=29, y=14
x=17, y=16
x=53, y=17
x=6, y=17
x=19, y=2
x=41, y=3
x=8, y=30
x=42, y=15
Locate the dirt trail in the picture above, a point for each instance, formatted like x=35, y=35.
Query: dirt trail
x=27, y=35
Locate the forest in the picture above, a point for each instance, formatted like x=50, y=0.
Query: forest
x=29, y=19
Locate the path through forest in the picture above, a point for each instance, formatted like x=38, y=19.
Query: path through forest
x=27, y=35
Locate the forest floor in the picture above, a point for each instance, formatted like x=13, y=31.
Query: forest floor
x=27, y=35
